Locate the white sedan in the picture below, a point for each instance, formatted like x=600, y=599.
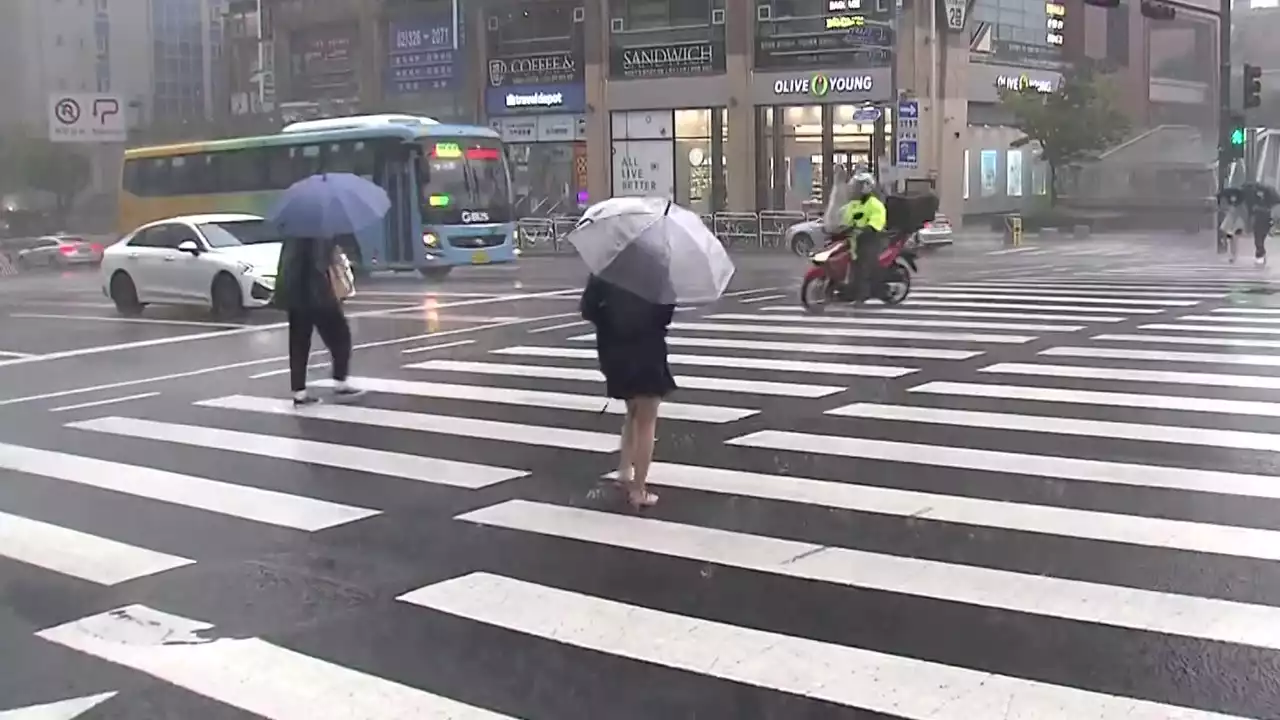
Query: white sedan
x=806, y=237
x=225, y=262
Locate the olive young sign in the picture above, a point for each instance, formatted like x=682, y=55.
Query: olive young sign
x=820, y=85
x=1024, y=82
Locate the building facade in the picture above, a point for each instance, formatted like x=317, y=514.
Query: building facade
x=734, y=105
x=187, y=47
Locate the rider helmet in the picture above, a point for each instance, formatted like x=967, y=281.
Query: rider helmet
x=862, y=184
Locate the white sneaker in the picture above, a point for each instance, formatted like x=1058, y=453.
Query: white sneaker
x=1260, y=262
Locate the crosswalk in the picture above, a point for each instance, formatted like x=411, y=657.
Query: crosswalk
x=999, y=500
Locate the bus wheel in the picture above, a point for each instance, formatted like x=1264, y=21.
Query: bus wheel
x=125, y=295
x=435, y=273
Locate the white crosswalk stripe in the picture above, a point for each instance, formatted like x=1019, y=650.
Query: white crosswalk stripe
x=1051, y=428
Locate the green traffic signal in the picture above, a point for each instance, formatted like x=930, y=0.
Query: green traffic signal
x=1237, y=136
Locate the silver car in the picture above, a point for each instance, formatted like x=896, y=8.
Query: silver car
x=57, y=251
x=806, y=237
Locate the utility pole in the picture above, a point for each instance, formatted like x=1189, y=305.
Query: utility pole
x=1224, y=94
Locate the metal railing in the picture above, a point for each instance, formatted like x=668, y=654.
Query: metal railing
x=738, y=231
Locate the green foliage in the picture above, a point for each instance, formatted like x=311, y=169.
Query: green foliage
x=57, y=168
x=1076, y=122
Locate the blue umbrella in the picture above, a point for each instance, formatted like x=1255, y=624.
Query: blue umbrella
x=328, y=205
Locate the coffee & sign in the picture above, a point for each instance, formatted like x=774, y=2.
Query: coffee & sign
x=704, y=57
x=543, y=69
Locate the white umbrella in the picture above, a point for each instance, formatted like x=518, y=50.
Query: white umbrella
x=653, y=248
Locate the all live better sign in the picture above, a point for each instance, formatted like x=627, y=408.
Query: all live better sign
x=87, y=118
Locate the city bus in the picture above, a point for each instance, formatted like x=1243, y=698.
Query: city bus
x=449, y=185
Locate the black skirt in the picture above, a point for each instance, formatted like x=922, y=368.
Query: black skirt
x=637, y=368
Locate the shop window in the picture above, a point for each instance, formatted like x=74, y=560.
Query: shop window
x=1013, y=173
x=966, y=175
x=660, y=14
x=1039, y=179
x=799, y=145
x=700, y=177
x=989, y=172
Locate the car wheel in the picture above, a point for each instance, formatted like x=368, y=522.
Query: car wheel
x=125, y=295
x=802, y=244
x=228, y=303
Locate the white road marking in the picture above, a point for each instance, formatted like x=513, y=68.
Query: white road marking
x=248, y=673
x=1207, y=328
x=561, y=326
x=241, y=330
x=100, y=403
x=852, y=677
x=992, y=461
x=726, y=361
x=853, y=332
x=466, y=427
x=810, y=348
x=11, y=354
x=544, y=399
x=915, y=311
x=79, y=555
x=60, y=710
x=764, y=298
x=898, y=322
x=1088, y=397
x=437, y=346
x=1162, y=356
x=1191, y=340
x=241, y=501
x=933, y=295
x=692, y=382
x=348, y=457
x=285, y=371
x=138, y=320
x=1260, y=382
x=1009, y=289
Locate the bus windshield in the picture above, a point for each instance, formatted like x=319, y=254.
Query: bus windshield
x=464, y=180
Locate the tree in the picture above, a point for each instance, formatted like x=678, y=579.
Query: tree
x=56, y=168
x=1074, y=122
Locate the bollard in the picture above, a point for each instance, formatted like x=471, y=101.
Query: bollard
x=1013, y=229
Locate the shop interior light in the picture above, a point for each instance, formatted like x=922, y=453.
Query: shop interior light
x=439, y=201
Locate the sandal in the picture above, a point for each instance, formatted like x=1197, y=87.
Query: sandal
x=639, y=499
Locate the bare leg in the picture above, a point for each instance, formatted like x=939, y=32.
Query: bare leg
x=626, y=447
x=643, y=436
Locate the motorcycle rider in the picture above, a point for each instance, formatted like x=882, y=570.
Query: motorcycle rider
x=865, y=215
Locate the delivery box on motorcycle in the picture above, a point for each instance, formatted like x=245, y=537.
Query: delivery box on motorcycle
x=907, y=214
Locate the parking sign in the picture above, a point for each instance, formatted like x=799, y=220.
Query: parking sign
x=87, y=118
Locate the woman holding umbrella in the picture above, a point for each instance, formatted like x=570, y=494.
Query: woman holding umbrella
x=313, y=276
x=646, y=256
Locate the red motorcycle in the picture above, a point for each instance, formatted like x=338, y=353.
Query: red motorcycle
x=828, y=281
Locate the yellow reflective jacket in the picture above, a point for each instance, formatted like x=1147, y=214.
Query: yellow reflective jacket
x=872, y=211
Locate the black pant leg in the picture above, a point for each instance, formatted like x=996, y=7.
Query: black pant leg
x=300, y=325
x=336, y=334
x=864, y=270
x=1261, y=227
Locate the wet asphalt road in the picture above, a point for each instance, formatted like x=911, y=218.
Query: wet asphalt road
x=1044, y=487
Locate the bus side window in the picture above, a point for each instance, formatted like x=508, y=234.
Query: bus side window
x=203, y=174
x=180, y=180
x=306, y=161
x=243, y=171
x=131, y=178
x=153, y=177
x=279, y=168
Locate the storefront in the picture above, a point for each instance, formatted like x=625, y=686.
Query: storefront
x=668, y=126
x=538, y=104
x=998, y=178
x=808, y=123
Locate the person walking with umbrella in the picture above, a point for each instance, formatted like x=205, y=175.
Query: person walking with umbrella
x=645, y=256
x=313, y=277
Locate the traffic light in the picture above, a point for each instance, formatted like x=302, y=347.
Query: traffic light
x=1252, y=86
x=1234, y=136
x=1157, y=10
